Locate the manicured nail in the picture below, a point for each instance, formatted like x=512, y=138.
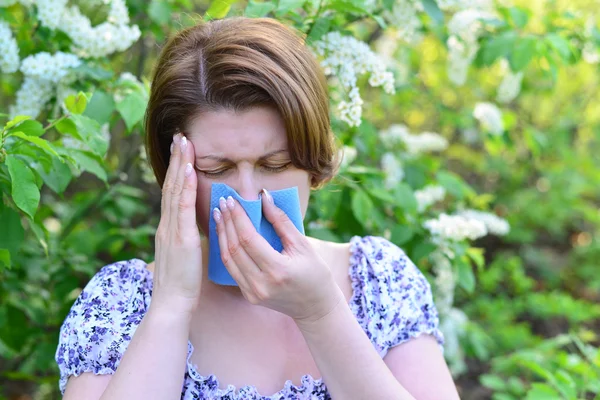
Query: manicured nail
x=222, y=203
x=268, y=195
x=188, y=169
x=172, y=145
x=217, y=214
x=177, y=138
x=230, y=203
x=183, y=144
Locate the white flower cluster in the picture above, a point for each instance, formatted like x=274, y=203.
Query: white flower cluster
x=404, y=17
x=415, y=144
x=393, y=170
x=490, y=117
x=9, y=50
x=49, y=67
x=101, y=40
x=429, y=195
x=493, y=223
x=347, y=57
x=510, y=87
x=455, y=227
x=50, y=12
x=43, y=72
x=464, y=28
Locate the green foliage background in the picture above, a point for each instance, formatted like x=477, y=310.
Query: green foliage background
x=531, y=297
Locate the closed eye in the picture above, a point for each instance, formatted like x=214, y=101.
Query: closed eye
x=217, y=173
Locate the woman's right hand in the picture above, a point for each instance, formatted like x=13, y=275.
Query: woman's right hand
x=178, y=253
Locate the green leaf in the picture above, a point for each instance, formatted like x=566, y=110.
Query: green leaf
x=217, y=9
x=405, y=197
x=258, y=10
x=522, y=54
x=465, y=275
x=519, y=16
x=388, y=4
x=319, y=28
x=25, y=192
x=58, y=177
x=89, y=131
x=39, y=142
x=160, y=11
x=432, y=9
x=541, y=391
x=12, y=232
x=288, y=5
x=89, y=162
x=422, y=250
x=498, y=46
x=14, y=330
x=76, y=103
x=560, y=44
x=5, y=257
x=454, y=184
x=493, y=382
x=40, y=234
x=30, y=127
x=362, y=207
x=100, y=107
x=93, y=72
x=16, y=120
x=402, y=234
x=476, y=254
x=132, y=109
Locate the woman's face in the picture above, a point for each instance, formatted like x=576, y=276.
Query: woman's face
x=247, y=151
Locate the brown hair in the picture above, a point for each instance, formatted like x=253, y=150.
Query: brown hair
x=237, y=64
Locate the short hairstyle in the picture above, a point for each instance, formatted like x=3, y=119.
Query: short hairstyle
x=236, y=64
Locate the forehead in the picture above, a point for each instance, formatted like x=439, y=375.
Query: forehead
x=243, y=133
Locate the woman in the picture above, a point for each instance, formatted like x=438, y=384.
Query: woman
x=243, y=102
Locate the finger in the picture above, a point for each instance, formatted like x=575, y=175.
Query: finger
x=259, y=250
x=186, y=216
x=224, y=247
x=284, y=227
x=170, y=176
x=242, y=260
x=183, y=157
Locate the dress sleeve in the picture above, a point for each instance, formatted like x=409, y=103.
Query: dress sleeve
x=403, y=294
x=103, y=319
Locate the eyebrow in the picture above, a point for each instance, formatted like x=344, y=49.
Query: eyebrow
x=224, y=159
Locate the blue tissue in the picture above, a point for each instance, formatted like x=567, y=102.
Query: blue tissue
x=285, y=199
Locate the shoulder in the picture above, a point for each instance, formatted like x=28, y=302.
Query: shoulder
x=392, y=295
x=103, y=318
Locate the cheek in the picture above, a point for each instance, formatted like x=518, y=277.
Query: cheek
x=202, y=205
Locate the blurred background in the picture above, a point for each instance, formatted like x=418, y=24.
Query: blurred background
x=469, y=131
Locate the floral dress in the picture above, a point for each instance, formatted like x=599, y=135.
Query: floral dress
x=391, y=300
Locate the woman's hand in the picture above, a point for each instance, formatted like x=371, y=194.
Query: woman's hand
x=296, y=282
x=178, y=271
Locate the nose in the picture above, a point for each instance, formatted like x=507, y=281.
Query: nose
x=247, y=185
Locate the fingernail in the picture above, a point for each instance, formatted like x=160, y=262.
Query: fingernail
x=268, y=196
x=230, y=202
x=177, y=138
x=188, y=169
x=172, y=145
x=183, y=143
x=217, y=214
x=222, y=203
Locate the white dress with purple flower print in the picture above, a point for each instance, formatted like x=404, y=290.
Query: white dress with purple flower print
x=391, y=300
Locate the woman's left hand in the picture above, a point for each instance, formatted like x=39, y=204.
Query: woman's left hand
x=296, y=282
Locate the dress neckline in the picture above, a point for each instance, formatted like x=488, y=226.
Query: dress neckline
x=308, y=382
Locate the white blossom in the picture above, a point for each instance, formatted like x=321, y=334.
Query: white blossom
x=425, y=142
x=393, y=170
x=429, y=195
x=50, y=12
x=31, y=97
x=394, y=134
x=493, y=223
x=510, y=86
x=453, y=326
x=464, y=28
x=118, y=14
x=49, y=67
x=404, y=18
x=9, y=50
x=455, y=227
x=490, y=117
x=346, y=58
